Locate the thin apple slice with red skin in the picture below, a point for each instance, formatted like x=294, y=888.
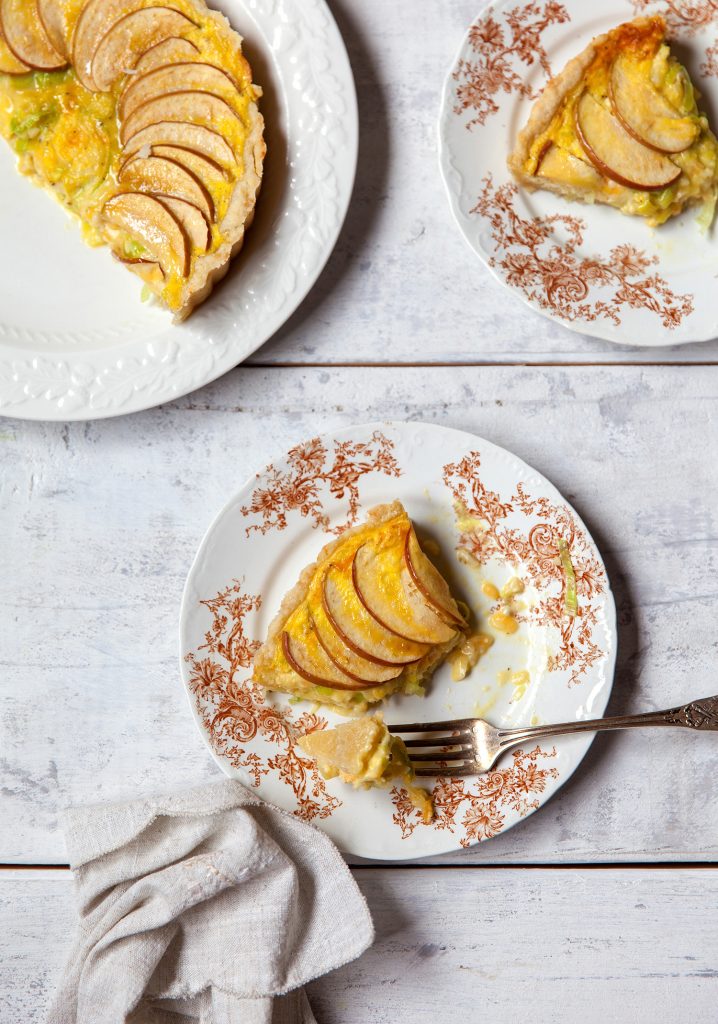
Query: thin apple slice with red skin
x=144, y=219
x=386, y=590
x=9, y=64
x=52, y=14
x=429, y=581
x=171, y=78
x=339, y=653
x=125, y=41
x=358, y=629
x=187, y=105
x=309, y=661
x=196, y=137
x=150, y=272
x=646, y=114
x=208, y=171
x=26, y=38
x=96, y=19
x=169, y=51
x=616, y=154
x=192, y=219
x=166, y=177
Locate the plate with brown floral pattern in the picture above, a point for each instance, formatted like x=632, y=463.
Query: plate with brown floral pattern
x=586, y=266
x=556, y=667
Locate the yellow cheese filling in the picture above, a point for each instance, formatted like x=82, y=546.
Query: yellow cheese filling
x=652, y=60
x=67, y=141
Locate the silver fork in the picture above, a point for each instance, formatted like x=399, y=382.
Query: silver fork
x=468, y=746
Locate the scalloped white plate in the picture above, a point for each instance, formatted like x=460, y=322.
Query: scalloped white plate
x=588, y=267
x=277, y=523
x=75, y=340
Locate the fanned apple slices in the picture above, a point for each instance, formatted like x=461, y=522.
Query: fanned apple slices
x=371, y=617
x=141, y=117
x=620, y=125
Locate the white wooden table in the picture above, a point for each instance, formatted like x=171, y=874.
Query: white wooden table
x=599, y=908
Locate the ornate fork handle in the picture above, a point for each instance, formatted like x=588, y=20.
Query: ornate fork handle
x=699, y=714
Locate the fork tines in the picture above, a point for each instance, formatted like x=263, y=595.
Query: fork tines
x=446, y=736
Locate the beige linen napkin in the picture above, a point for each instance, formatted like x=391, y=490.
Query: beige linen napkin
x=208, y=906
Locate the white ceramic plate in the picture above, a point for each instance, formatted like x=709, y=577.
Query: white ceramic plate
x=75, y=340
x=275, y=526
x=590, y=268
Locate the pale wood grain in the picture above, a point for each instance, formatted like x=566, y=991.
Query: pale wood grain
x=100, y=522
x=402, y=284
x=457, y=946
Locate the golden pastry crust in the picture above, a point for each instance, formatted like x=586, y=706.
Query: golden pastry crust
x=264, y=659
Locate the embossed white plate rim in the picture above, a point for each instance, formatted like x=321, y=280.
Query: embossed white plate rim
x=142, y=373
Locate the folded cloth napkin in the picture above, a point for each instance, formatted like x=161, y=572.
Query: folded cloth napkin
x=209, y=906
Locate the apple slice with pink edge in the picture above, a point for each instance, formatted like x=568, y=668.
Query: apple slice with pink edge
x=616, y=154
x=187, y=106
x=127, y=39
x=195, y=137
x=429, y=581
x=171, y=78
x=358, y=629
x=166, y=177
x=645, y=113
x=170, y=51
x=26, y=38
x=386, y=589
x=145, y=220
x=308, y=659
x=340, y=653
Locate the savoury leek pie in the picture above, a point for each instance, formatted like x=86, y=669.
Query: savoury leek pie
x=141, y=117
x=371, y=617
x=621, y=125
x=365, y=754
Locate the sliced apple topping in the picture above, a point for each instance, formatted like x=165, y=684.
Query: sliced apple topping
x=307, y=658
x=192, y=219
x=202, y=167
x=126, y=40
x=194, y=137
x=166, y=177
x=358, y=629
x=558, y=164
x=429, y=581
x=169, y=51
x=385, y=588
x=645, y=113
x=147, y=221
x=150, y=272
x=26, y=37
x=618, y=155
x=341, y=654
x=173, y=78
x=187, y=106
x=9, y=64
x=53, y=16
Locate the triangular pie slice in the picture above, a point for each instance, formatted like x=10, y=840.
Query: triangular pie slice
x=363, y=753
x=371, y=617
x=620, y=125
x=141, y=118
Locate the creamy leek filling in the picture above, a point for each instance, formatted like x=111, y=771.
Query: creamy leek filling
x=698, y=181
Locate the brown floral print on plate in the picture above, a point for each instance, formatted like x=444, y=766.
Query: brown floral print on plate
x=253, y=553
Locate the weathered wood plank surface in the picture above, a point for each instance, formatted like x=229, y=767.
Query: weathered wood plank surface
x=402, y=284
x=99, y=523
x=628, y=946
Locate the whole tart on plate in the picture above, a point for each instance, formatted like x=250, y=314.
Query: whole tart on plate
x=371, y=617
x=620, y=125
x=141, y=118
